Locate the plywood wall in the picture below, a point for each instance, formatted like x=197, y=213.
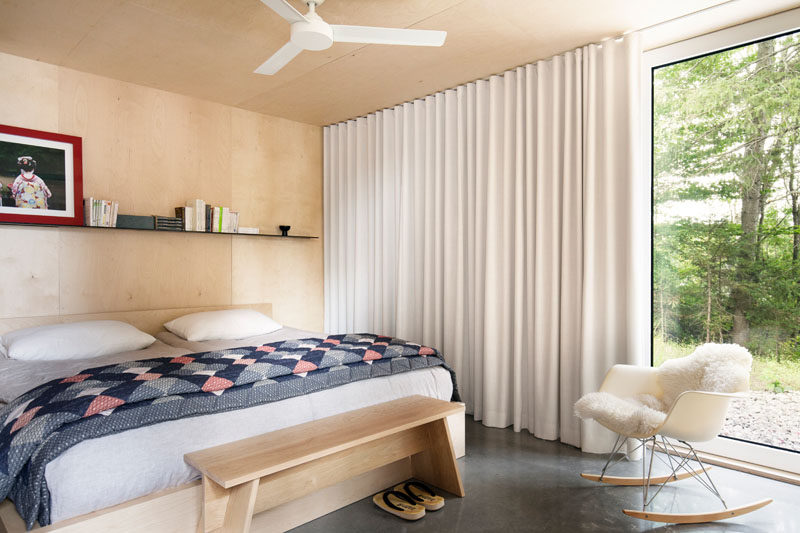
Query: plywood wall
x=151, y=150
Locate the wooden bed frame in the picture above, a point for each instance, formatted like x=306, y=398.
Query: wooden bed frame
x=179, y=509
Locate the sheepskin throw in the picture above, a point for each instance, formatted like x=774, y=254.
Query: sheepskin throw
x=711, y=368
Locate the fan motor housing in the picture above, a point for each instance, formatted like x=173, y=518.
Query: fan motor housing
x=314, y=34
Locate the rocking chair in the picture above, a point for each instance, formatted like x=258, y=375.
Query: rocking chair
x=686, y=400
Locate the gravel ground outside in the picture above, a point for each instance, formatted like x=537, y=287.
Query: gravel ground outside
x=766, y=417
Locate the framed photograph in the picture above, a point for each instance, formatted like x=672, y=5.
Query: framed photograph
x=41, y=181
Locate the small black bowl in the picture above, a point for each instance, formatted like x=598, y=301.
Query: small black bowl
x=284, y=230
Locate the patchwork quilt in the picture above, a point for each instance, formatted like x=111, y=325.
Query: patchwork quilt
x=44, y=422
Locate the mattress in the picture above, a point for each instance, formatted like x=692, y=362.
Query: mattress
x=106, y=471
x=101, y=472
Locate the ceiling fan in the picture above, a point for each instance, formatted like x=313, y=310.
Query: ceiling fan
x=310, y=32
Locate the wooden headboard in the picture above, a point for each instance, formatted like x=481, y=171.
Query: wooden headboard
x=150, y=321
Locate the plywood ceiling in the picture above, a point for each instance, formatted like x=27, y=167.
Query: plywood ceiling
x=209, y=48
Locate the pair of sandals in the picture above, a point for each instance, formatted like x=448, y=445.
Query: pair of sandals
x=409, y=500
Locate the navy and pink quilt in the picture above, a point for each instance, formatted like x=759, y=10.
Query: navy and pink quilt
x=44, y=422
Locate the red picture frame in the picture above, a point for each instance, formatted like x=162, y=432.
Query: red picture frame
x=56, y=197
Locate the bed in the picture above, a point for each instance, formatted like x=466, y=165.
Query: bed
x=98, y=483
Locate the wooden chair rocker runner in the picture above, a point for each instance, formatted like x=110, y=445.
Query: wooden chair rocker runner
x=685, y=400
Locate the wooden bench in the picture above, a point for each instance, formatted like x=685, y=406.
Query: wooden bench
x=252, y=475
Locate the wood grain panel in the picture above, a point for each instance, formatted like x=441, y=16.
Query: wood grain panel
x=324, y=501
x=178, y=510
x=277, y=164
x=437, y=464
x=288, y=273
x=101, y=271
x=176, y=44
x=28, y=93
x=234, y=463
x=209, y=49
x=175, y=510
x=30, y=279
x=152, y=150
x=484, y=38
x=240, y=508
x=302, y=480
x=150, y=321
x=47, y=31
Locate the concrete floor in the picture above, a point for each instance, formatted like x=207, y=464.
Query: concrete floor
x=515, y=482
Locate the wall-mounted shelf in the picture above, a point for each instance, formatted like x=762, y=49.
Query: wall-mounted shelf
x=272, y=235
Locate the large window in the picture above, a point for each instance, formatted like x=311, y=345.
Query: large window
x=726, y=222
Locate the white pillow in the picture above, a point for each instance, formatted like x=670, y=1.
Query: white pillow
x=227, y=324
x=78, y=340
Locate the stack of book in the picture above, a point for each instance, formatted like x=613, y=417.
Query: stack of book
x=221, y=219
x=197, y=216
x=168, y=223
x=100, y=212
x=186, y=214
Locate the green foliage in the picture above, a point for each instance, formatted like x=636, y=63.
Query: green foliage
x=790, y=349
x=766, y=370
x=726, y=236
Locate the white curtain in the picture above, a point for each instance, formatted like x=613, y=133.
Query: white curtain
x=494, y=221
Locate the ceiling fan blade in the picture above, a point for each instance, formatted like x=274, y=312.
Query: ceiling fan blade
x=279, y=59
x=375, y=35
x=284, y=9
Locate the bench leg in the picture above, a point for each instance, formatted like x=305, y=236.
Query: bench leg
x=215, y=500
x=227, y=510
x=437, y=464
x=239, y=512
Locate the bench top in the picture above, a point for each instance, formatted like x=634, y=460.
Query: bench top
x=244, y=460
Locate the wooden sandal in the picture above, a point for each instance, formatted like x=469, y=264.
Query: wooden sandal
x=422, y=494
x=399, y=504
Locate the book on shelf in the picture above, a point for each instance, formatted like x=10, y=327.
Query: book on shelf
x=88, y=211
x=199, y=210
x=197, y=215
x=209, y=218
x=167, y=223
x=223, y=220
x=102, y=213
x=135, y=222
x=186, y=214
x=114, y=214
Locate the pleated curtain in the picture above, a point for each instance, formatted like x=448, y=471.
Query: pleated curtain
x=495, y=222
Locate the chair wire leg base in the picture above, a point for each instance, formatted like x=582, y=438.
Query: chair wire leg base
x=649, y=475
x=621, y=440
x=711, y=487
x=679, y=462
x=680, y=465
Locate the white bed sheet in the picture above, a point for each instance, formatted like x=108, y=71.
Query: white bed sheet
x=109, y=470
